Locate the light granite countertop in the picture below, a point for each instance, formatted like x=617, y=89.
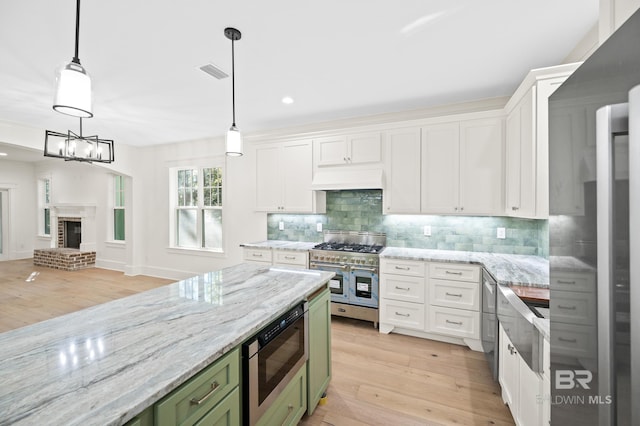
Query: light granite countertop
x=281, y=245
x=105, y=364
x=507, y=269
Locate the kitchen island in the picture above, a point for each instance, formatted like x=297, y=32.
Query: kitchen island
x=106, y=364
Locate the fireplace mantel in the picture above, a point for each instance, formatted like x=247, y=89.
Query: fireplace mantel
x=74, y=210
x=87, y=215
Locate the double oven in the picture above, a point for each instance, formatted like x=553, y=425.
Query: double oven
x=354, y=258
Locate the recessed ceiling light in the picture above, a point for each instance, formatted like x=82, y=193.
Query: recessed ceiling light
x=287, y=100
x=3, y=154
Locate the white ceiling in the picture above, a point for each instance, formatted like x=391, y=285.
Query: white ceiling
x=336, y=58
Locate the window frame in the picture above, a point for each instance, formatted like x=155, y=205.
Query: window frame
x=44, y=192
x=119, y=194
x=199, y=207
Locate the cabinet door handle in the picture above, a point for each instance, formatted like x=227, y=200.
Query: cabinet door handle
x=402, y=315
x=453, y=294
x=290, y=257
x=289, y=410
x=342, y=310
x=562, y=339
x=257, y=255
x=566, y=282
x=402, y=288
x=403, y=268
x=567, y=308
x=454, y=322
x=214, y=387
x=514, y=208
x=452, y=273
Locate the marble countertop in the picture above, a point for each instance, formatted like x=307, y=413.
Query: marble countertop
x=281, y=245
x=507, y=269
x=105, y=364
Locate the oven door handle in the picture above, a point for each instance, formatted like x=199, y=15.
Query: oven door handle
x=328, y=265
x=357, y=268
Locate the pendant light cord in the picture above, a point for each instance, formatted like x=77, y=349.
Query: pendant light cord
x=233, y=81
x=75, y=58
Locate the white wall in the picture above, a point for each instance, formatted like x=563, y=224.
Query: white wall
x=19, y=178
x=241, y=223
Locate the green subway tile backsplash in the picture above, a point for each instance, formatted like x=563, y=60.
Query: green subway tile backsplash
x=362, y=211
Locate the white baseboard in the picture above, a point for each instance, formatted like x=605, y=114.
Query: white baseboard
x=167, y=273
x=113, y=265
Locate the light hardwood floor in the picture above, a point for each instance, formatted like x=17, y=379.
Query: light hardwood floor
x=377, y=379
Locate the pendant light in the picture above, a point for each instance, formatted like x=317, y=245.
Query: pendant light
x=234, y=138
x=73, y=84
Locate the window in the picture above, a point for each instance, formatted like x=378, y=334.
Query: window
x=118, y=208
x=44, y=207
x=198, y=212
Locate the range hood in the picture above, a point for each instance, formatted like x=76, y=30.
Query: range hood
x=329, y=180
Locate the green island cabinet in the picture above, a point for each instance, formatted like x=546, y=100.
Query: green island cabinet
x=211, y=397
x=319, y=364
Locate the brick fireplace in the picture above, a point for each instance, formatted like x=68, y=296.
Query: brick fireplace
x=74, y=229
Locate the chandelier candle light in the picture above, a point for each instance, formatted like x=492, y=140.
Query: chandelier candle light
x=76, y=147
x=234, y=138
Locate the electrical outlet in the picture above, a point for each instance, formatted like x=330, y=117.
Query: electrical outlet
x=319, y=227
x=427, y=230
x=281, y=226
x=501, y=233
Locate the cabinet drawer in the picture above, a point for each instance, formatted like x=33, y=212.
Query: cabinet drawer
x=257, y=255
x=402, y=267
x=288, y=257
x=400, y=287
x=402, y=314
x=454, y=294
x=572, y=308
x=226, y=413
x=290, y=406
x=454, y=322
x=566, y=281
x=454, y=271
x=195, y=398
x=573, y=340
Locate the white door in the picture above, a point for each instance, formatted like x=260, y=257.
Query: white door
x=481, y=165
x=297, y=169
x=440, y=168
x=364, y=148
x=330, y=151
x=268, y=179
x=4, y=225
x=402, y=190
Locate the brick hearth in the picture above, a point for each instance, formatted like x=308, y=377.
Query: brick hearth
x=67, y=259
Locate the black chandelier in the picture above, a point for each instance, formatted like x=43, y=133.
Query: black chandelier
x=73, y=97
x=77, y=147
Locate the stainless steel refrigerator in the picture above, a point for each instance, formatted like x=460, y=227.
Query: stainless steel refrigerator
x=594, y=237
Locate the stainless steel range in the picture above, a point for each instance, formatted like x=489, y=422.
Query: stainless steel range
x=353, y=256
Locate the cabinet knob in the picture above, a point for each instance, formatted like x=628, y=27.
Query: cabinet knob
x=514, y=208
x=345, y=159
x=455, y=208
x=461, y=208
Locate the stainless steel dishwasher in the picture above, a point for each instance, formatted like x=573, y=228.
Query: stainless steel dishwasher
x=517, y=321
x=489, y=330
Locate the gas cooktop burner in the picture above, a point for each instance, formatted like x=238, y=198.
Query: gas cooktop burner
x=353, y=248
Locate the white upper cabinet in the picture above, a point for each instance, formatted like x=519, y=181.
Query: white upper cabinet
x=402, y=164
x=481, y=167
x=283, y=179
x=462, y=167
x=350, y=149
x=441, y=168
x=527, y=143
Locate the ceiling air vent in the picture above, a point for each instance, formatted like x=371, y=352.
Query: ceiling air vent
x=214, y=71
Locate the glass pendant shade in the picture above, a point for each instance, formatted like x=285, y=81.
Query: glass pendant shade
x=73, y=91
x=234, y=142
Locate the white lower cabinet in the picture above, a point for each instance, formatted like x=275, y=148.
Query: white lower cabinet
x=431, y=300
x=525, y=392
x=269, y=256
